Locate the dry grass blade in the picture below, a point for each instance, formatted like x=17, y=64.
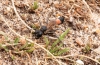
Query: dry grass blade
x=20, y=17
x=29, y=58
x=83, y=56
x=78, y=56
x=90, y=12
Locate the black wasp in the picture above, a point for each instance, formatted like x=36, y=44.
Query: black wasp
x=39, y=32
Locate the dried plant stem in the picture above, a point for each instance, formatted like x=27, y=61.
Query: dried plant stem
x=78, y=56
x=88, y=7
x=65, y=57
x=36, y=60
x=91, y=14
x=20, y=17
x=30, y=40
x=11, y=44
x=29, y=58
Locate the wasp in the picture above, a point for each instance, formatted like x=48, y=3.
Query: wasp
x=39, y=32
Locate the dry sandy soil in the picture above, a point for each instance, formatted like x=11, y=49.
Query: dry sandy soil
x=83, y=39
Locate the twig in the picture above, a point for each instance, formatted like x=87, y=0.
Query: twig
x=10, y=44
x=36, y=59
x=29, y=58
x=20, y=17
x=79, y=56
x=87, y=7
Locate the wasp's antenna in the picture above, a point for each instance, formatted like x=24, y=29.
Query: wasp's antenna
x=40, y=22
x=60, y=29
x=48, y=16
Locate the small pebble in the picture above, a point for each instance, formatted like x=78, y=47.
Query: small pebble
x=19, y=4
x=79, y=62
x=22, y=40
x=40, y=9
x=79, y=41
x=98, y=31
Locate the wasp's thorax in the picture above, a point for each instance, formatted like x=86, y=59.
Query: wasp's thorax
x=43, y=28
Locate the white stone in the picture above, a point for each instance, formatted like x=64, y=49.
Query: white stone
x=79, y=62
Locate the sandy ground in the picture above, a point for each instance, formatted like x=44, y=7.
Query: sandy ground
x=82, y=17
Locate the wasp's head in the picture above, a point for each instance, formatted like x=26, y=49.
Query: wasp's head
x=38, y=34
